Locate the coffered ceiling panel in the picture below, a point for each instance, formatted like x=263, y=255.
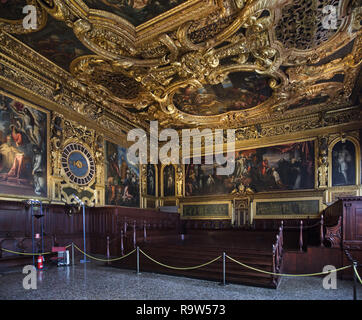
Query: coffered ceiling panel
x=204, y=63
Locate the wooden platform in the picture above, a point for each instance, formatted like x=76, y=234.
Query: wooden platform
x=249, y=247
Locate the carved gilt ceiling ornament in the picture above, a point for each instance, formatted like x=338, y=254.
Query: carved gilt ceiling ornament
x=215, y=63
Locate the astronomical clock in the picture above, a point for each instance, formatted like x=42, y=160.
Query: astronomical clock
x=77, y=162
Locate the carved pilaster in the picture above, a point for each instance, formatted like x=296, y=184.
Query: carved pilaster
x=323, y=162
x=179, y=181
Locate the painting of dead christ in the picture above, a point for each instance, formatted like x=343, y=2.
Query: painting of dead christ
x=23, y=149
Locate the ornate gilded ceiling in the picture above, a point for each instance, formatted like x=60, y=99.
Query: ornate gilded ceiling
x=212, y=63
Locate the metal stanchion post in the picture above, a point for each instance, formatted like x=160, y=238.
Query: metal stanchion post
x=223, y=269
x=138, y=260
x=73, y=253
x=321, y=232
x=108, y=254
x=122, y=247
x=84, y=243
x=301, y=236
x=354, y=281
x=81, y=203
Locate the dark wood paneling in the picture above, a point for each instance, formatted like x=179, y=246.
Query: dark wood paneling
x=62, y=229
x=350, y=209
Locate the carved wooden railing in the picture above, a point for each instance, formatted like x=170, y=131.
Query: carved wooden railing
x=278, y=251
x=334, y=234
x=132, y=232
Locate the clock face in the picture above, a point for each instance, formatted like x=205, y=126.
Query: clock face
x=78, y=164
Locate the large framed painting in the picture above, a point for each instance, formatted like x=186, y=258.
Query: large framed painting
x=206, y=210
x=151, y=180
x=272, y=168
x=344, y=163
x=168, y=174
x=291, y=208
x=122, y=178
x=23, y=148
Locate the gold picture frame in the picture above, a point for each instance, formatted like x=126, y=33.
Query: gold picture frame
x=206, y=203
x=357, y=159
x=254, y=145
x=48, y=197
x=286, y=201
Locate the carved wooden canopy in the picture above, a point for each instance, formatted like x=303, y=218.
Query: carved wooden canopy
x=205, y=63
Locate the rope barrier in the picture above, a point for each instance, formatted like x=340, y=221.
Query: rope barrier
x=304, y=227
x=30, y=254
x=195, y=267
x=287, y=275
x=358, y=277
x=104, y=260
x=179, y=268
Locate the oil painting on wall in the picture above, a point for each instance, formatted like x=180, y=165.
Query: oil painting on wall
x=23, y=149
x=169, y=181
x=343, y=164
x=200, y=211
x=122, y=178
x=151, y=180
x=287, y=208
x=282, y=167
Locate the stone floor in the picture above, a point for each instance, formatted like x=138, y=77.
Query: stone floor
x=95, y=281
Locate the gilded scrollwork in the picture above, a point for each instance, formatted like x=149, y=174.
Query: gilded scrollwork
x=138, y=72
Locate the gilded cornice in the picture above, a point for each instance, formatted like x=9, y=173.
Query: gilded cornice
x=30, y=72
